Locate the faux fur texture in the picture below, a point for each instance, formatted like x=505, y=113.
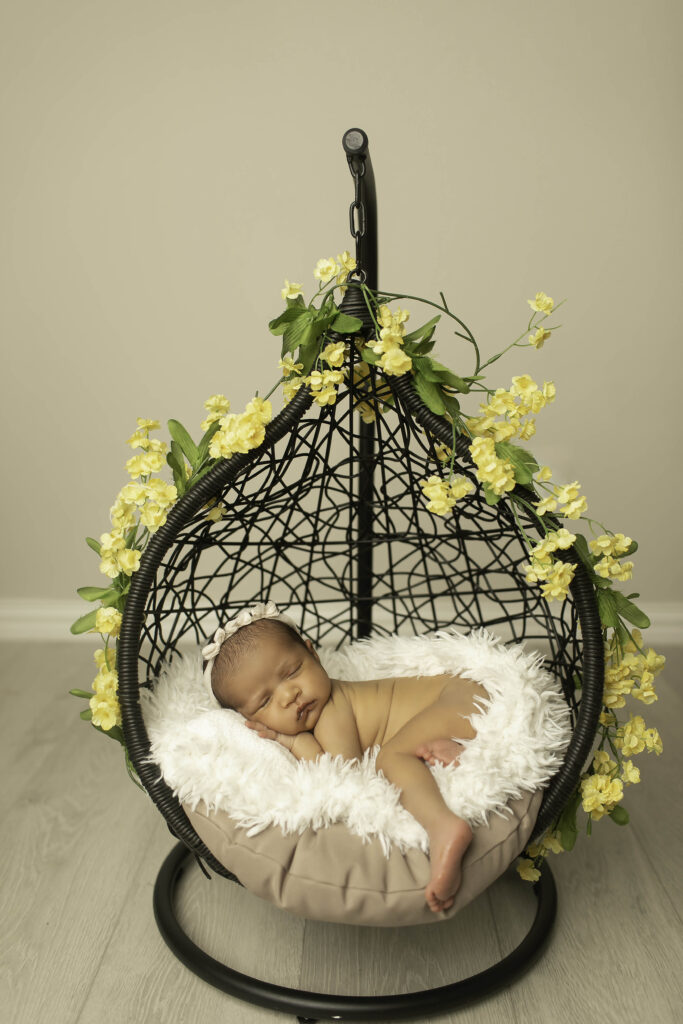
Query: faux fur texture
x=522, y=733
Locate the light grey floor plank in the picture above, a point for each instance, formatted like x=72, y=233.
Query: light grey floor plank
x=82, y=847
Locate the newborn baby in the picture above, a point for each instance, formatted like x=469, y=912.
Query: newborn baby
x=269, y=673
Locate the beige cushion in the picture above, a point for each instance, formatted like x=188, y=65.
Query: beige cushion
x=332, y=875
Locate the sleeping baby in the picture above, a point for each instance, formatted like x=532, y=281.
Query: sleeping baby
x=261, y=666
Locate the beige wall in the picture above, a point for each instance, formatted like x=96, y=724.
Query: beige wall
x=166, y=165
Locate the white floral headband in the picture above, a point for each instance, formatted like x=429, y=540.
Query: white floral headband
x=243, y=618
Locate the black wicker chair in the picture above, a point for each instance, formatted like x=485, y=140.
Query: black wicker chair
x=327, y=519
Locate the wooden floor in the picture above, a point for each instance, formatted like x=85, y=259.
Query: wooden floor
x=81, y=847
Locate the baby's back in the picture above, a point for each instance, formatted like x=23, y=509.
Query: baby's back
x=383, y=706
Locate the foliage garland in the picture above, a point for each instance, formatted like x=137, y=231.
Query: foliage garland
x=311, y=356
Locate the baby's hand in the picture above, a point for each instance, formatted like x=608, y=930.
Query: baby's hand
x=270, y=734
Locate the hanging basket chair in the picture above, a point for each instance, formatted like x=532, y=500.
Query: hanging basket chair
x=327, y=519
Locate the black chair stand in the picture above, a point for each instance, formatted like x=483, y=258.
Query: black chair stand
x=314, y=1006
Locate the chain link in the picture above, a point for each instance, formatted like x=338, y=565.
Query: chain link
x=357, y=168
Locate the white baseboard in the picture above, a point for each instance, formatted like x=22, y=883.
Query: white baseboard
x=26, y=618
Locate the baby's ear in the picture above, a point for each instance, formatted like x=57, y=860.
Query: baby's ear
x=309, y=644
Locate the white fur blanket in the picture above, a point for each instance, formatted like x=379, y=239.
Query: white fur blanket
x=522, y=733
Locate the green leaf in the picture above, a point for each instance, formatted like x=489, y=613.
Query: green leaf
x=203, y=449
x=632, y=548
x=92, y=543
x=629, y=611
x=421, y=349
x=607, y=608
x=430, y=393
x=299, y=332
x=344, y=324
x=82, y=693
x=85, y=623
x=422, y=333
x=450, y=378
x=581, y=547
x=619, y=815
x=491, y=497
x=307, y=356
x=86, y=714
x=523, y=462
x=175, y=460
x=292, y=313
x=369, y=356
x=452, y=405
x=115, y=733
x=181, y=436
x=96, y=593
x=566, y=825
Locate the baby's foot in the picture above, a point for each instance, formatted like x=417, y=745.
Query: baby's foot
x=447, y=846
x=443, y=751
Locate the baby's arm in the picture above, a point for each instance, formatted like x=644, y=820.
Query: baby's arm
x=303, y=745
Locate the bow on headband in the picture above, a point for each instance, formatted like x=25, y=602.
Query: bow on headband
x=243, y=618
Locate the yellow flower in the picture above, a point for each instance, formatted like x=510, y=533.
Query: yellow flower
x=568, y=492
x=545, y=505
x=216, y=513
x=111, y=543
x=139, y=440
x=153, y=516
x=395, y=362
x=528, y=430
x=527, y=871
x=574, y=509
x=289, y=367
x=107, y=620
x=607, y=718
x=325, y=270
x=347, y=261
x=291, y=386
x=291, y=290
x=334, y=353
x=600, y=794
x=105, y=711
x=542, y=303
x=556, y=586
x=549, y=391
x=539, y=338
x=105, y=658
x=602, y=764
x=216, y=406
x=105, y=683
x=148, y=424
x=653, y=741
x=160, y=492
x=128, y=561
x=142, y=465
x=261, y=409
x=630, y=738
x=544, y=473
x=629, y=773
x=133, y=494
x=109, y=567
x=523, y=385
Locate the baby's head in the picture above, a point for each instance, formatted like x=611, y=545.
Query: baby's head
x=270, y=674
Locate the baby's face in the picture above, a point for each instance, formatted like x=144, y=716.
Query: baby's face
x=280, y=684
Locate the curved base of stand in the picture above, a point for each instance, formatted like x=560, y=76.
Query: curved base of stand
x=314, y=1006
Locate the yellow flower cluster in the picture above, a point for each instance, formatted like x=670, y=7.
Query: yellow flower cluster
x=104, y=704
x=610, y=567
x=443, y=494
x=548, y=843
x=326, y=269
x=499, y=474
x=555, y=576
x=217, y=406
x=240, y=432
x=394, y=361
x=516, y=406
x=150, y=498
x=633, y=737
x=565, y=498
x=632, y=673
x=323, y=385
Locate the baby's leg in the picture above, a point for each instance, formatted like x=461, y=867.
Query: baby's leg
x=449, y=835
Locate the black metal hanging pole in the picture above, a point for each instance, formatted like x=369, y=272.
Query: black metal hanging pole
x=363, y=223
